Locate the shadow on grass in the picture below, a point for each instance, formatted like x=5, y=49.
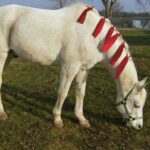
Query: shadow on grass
x=30, y=102
x=38, y=105
x=110, y=119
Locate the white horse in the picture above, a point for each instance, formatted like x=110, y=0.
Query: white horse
x=48, y=36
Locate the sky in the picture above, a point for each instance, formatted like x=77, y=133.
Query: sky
x=128, y=5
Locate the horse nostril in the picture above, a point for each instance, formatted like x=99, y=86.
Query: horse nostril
x=139, y=126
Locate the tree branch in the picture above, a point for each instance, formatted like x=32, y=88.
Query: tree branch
x=61, y=2
x=143, y=3
x=105, y=2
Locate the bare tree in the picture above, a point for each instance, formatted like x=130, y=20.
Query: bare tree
x=58, y=3
x=143, y=3
x=108, y=4
x=61, y=2
x=117, y=7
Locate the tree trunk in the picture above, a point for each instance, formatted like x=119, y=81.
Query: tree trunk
x=61, y=2
x=108, y=4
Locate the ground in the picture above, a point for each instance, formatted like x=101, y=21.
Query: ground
x=29, y=93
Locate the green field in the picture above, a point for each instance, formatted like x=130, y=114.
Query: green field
x=29, y=93
x=137, y=37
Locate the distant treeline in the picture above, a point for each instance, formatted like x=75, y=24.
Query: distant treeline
x=127, y=14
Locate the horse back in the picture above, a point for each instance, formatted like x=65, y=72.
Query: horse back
x=45, y=35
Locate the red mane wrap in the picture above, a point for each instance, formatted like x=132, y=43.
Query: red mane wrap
x=82, y=17
x=121, y=66
x=109, y=40
x=117, y=54
x=99, y=27
x=110, y=32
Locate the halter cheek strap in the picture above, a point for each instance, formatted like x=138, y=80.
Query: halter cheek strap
x=123, y=102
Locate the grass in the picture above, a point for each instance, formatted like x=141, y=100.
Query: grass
x=137, y=37
x=29, y=93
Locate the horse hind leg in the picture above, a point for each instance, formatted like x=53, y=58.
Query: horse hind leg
x=4, y=58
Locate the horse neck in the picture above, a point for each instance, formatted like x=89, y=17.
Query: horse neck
x=128, y=77
x=127, y=80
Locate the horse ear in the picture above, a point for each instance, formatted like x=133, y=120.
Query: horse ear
x=141, y=84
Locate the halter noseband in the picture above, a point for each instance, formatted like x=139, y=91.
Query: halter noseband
x=123, y=102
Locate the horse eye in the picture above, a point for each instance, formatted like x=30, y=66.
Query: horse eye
x=136, y=106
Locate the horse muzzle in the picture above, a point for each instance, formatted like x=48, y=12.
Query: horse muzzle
x=137, y=125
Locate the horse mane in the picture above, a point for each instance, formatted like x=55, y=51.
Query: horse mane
x=112, y=35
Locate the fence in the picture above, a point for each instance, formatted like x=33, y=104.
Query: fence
x=132, y=23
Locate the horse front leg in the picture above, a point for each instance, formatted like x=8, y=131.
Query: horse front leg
x=67, y=75
x=3, y=57
x=80, y=92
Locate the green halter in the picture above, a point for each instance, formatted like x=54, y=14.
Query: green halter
x=123, y=102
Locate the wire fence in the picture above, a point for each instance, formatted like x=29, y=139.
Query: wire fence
x=132, y=23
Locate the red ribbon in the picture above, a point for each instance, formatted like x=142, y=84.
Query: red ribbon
x=82, y=17
x=108, y=43
x=109, y=40
x=117, y=54
x=99, y=27
x=110, y=32
x=121, y=66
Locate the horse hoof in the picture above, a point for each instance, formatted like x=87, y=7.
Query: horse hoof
x=58, y=124
x=85, y=124
x=3, y=116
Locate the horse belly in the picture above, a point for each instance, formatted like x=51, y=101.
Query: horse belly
x=42, y=57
